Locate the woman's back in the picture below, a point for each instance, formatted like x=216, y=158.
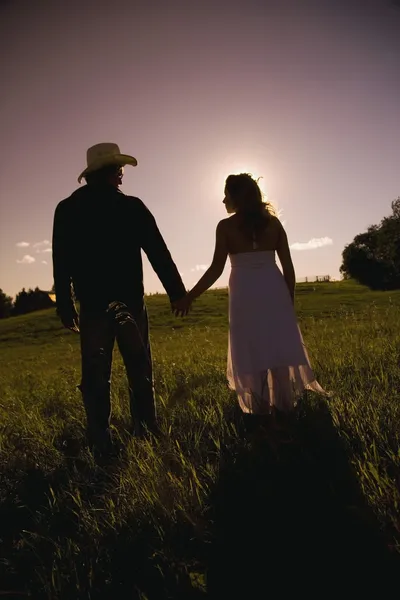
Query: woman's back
x=240, y=240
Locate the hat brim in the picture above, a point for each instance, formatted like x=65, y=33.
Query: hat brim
x=117, y=159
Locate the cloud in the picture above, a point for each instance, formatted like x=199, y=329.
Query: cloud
x=42, y=246
x=22, y=244
x=27, y=260
x=199, y=268
x=312, y=244
x=44, y=262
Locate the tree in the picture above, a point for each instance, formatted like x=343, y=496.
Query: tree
x=6, y=305
x=31, y=300
x=373, y=258
x=21, y=304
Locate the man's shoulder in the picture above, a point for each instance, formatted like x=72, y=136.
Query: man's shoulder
x=130, y=199
x=71, y=200
x=133, y=200
x=64, y=205
x=137, y=205
x=124, y=201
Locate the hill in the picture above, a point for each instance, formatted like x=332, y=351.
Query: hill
x=207, y=511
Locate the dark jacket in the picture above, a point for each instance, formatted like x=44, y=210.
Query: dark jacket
x=98, y=235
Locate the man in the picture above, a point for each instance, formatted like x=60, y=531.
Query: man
x=98, y=235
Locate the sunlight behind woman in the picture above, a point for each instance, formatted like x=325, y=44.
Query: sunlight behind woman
x=268, y=365
x=261, y=180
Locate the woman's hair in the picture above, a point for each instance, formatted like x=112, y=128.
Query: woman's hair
x=247, y=200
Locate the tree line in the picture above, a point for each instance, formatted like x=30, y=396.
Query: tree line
x=25, y=302
x=373, y=257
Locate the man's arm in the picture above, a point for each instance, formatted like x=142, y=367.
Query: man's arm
x=61, y=269
x=159, y=256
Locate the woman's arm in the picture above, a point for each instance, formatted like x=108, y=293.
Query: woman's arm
x=285, y=258
x=217, y=265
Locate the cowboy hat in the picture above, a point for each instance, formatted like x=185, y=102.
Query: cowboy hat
x=102, y=155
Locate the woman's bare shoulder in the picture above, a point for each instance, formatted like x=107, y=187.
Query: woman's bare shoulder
x=224, y=224
x=275, y=222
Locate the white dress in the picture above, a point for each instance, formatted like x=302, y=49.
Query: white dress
x=268, y=365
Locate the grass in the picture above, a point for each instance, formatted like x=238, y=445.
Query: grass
x=207, y=511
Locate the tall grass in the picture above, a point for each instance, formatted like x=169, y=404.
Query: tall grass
x=207, y=510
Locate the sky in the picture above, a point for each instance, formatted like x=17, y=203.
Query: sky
x=303, y=93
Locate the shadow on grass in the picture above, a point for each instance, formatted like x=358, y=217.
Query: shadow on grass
x=288, y=515
x=285, y=514
x=46, y=552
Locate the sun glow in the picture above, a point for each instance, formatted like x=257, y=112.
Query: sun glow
x=234, y=163
x=252, y=169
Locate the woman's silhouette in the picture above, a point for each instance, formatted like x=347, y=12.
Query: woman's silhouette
x=268, y=366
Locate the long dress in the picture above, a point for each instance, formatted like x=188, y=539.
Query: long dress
x=268, y=365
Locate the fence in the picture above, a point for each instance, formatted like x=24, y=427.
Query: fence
x=315, y=279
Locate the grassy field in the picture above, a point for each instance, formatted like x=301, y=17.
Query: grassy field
x=207, y=511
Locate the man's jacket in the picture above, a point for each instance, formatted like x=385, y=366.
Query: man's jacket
x=98, y=235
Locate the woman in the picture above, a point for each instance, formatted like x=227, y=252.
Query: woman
x=268, y=366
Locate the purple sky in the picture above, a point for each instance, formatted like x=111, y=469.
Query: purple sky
x=305, y=93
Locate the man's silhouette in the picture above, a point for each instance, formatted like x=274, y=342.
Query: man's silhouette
x=98, y=235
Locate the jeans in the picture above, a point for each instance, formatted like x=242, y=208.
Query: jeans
x=98, y=332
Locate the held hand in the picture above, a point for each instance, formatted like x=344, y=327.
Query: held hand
x=181, y=307
x=70, y=320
